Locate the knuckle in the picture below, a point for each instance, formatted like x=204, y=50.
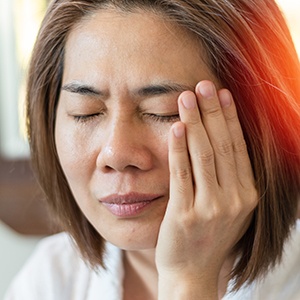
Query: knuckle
x=194, y=121
x=205, y=157
x=179, y=148
x=188, y=221
x=240, y=147
x=215, y=213
x=213, y=112
x=245, y=202
x=183, y=174
x=235, y=209
x=231, y=116
x=224, y=147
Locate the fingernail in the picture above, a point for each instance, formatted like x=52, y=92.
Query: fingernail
x=225, y=98
x=188, y=101
x=207, y=89
x=178, y=130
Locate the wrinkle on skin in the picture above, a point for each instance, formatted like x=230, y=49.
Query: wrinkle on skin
x=124, y=65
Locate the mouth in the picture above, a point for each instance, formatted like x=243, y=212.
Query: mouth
x=128, y=205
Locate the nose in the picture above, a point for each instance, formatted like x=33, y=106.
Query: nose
x=126, y=147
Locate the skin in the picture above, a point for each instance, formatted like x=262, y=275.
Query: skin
x=118, y=136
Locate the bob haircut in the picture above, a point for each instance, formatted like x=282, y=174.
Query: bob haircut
x=250, y=51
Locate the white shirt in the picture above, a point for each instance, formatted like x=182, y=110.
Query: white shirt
x=56, y=271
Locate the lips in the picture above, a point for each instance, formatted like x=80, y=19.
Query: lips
x=128, y=205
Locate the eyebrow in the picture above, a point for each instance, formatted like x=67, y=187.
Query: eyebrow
x=162, y=89
x=145, y=91
x=82, y=89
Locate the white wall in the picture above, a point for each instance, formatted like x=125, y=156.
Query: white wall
x=14, y=250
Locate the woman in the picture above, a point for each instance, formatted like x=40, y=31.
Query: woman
x=165, y=136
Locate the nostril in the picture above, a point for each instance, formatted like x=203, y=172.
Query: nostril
x=130, y=156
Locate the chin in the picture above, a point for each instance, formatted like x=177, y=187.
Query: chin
x=134, y=240
x=137, y=246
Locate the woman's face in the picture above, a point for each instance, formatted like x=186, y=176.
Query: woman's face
x=122, y=76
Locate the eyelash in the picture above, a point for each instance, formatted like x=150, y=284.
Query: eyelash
x=85, y=118
x=162, y=118
x=157, y=118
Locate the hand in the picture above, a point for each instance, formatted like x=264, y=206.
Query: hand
x=212, y=192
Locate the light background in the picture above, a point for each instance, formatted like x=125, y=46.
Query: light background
x=291, y=9
x=14, y=248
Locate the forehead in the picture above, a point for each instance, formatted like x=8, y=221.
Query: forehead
x=138, y=41
x=113, y=22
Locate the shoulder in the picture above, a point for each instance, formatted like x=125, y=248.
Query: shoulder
x=56, y=250
x=283, y=281
x=57, y=255
x=52, y=271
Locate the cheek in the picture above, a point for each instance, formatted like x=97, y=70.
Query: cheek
x=78, y=149
x=74, y=153
x=161, y=136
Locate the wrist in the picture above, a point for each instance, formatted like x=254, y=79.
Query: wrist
x=182, y=287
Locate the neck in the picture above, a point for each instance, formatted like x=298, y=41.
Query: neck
x=141, y=276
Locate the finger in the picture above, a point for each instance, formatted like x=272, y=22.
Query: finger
x=217, y=131
x=199, y=147
x=181, y=181
x=243, y=164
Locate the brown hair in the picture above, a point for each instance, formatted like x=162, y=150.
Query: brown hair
x=250, y=50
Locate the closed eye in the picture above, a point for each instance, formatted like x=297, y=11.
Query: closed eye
x=163, y=118
x=85, y=118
